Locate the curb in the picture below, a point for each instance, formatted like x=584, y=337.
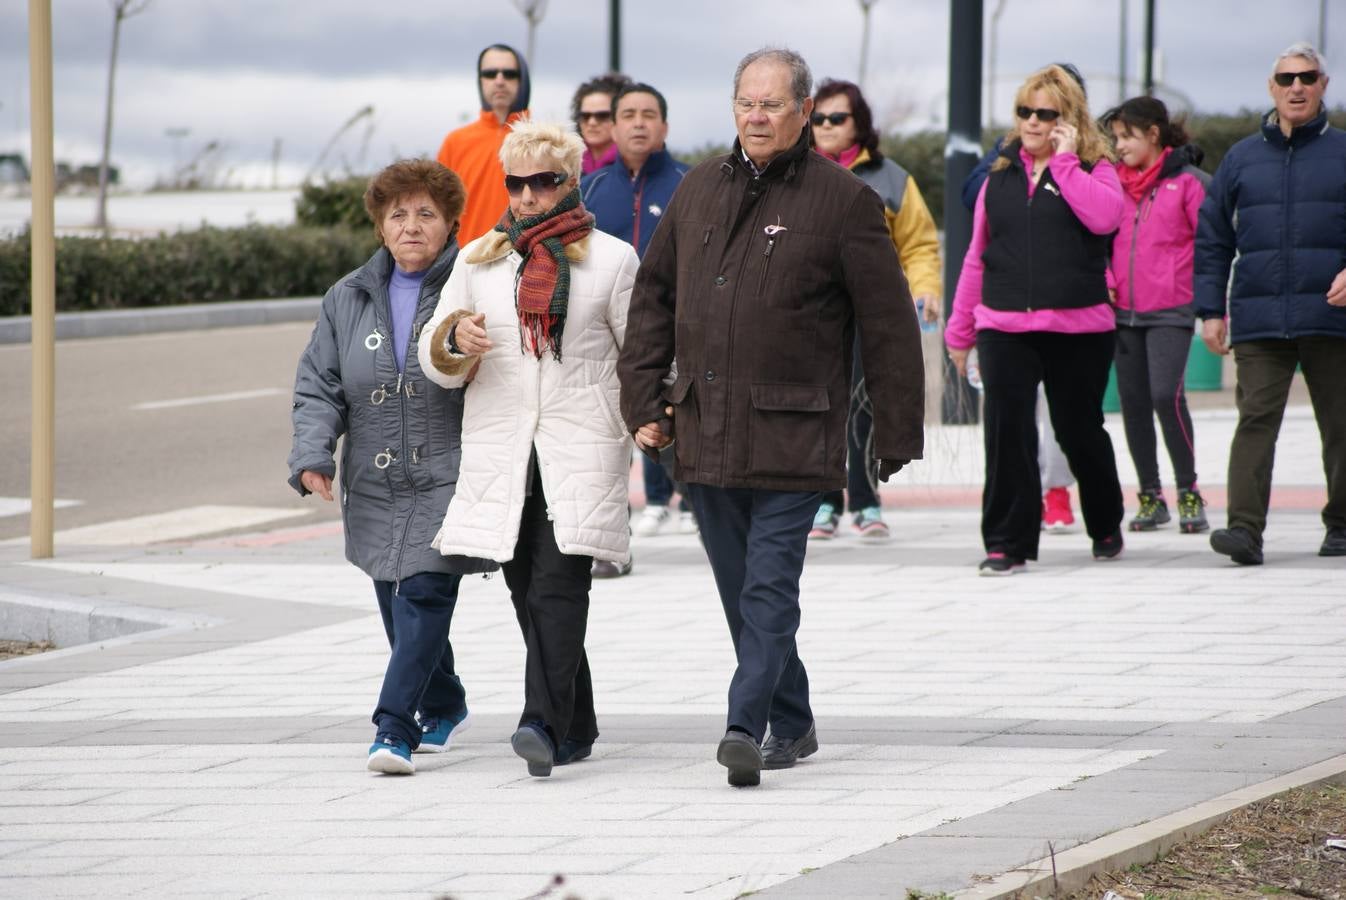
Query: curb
x=1142, y=843
x=187, y=317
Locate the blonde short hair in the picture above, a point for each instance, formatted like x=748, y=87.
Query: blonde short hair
x=545, y=142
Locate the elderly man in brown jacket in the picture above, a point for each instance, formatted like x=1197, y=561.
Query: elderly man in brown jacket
x=767, y=262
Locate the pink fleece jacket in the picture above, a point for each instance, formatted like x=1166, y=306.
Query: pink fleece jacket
x=1096, y=199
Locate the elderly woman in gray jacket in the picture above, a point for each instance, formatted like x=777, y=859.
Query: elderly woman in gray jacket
x=360, y=378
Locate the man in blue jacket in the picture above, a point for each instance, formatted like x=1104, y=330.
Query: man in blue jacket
x=628, y=197
x=1278, y=202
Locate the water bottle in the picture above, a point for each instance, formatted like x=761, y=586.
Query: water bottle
x=927, y=327
x=973, y=370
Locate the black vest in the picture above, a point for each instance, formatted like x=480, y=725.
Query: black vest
x=1038, y=254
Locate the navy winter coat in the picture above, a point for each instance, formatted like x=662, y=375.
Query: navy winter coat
x=1280, y=205
x=629, y=208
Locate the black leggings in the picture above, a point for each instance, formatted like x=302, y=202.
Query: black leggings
x=1151, y=363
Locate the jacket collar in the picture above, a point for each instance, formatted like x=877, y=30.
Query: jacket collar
x=1272, y=134
x=494, y=245
x=373, y=276
x=1181, y=157
x=656, y=163
x=784, y=165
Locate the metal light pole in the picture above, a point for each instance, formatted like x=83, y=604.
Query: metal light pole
x=962, y=149
x=1148, y=86
x=864, y=40
x=1123, y=34
x=42, y=463
x=991, y=54
x=615, y=36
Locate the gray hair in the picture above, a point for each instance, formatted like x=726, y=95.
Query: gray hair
x=801, y=79
x=1304, y=50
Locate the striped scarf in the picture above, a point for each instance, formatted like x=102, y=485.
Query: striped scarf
x=542, y=283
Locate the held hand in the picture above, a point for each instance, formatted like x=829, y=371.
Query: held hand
x=959, y=359
x=317, y=483
x=1112, y=296
x=1336, y=294
x=930, y=307
x=1214, y=332
x=470, y=335
x=1064, y=137
x=653, y=435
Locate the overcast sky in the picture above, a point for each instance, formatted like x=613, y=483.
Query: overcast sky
x=245, y=73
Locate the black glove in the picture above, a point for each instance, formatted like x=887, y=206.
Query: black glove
x=890, y=467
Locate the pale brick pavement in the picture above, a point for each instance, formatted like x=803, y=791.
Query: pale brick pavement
x=965, y=722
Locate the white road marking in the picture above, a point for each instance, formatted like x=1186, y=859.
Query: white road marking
x=212, y=398
x=21, y=506
x=169, y=526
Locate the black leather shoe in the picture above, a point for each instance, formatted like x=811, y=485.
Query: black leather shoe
x=534, y=745
x=1334, y=544
x=1238, y=544
x=783, y=753
x=570, y=750
x=739, y=753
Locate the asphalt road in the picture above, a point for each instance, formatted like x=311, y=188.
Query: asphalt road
x=137, y=430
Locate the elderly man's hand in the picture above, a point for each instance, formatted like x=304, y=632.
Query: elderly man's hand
x=1336, y=294
x=470, y=335
x=317, y=483
x=1213, y=334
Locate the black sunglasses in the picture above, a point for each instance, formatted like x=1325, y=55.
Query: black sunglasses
x=492, y=74
x=539, y=182
x=836, y=118
x=1044, y=115
x=603, y=115
x=1306, y=78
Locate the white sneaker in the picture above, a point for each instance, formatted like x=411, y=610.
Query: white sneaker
x=687, y=523
x=651, y=520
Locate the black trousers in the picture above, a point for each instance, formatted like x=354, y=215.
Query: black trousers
x=1073, y=369
x=755, y=541
x=1151, y=366
x=1265, y=370
x=550, y=591
x=862, y=469
x=416, y=615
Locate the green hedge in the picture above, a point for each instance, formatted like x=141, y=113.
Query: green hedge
x=329, y=203
x=208, y=264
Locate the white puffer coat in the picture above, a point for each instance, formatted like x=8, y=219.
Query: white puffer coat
x=515, y=402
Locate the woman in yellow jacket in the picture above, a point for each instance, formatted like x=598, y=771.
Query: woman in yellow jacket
x=843, y=131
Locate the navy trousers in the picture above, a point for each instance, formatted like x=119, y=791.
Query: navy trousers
x=755, y=540
x=420, y=677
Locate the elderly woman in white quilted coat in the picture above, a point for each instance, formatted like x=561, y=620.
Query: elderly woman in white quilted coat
x=531, y=321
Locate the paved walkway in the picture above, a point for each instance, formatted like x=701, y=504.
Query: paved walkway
x=968, y=724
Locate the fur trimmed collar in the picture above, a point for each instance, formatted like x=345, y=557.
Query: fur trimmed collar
x=495, y=245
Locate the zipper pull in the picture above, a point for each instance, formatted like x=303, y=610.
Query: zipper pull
x=706, y=240
x=771, y=242
x=398, y=389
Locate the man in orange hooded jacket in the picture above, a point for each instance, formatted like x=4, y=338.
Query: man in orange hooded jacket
x=472, y=151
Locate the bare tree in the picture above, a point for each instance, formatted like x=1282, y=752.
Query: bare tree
x=533, y=11
x=121, y=9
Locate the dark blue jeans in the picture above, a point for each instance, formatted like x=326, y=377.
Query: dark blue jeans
x=420, y=676
x=755, y=540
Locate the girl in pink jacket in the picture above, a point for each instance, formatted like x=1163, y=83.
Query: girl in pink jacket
x=1150, y=277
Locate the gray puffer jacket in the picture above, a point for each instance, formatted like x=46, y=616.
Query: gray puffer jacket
x=399, y=460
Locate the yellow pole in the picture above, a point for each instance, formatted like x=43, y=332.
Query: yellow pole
x=44, y=280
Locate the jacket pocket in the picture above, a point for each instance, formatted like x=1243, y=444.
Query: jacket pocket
x=609, y=412
x=787, y=430
x=686, y=424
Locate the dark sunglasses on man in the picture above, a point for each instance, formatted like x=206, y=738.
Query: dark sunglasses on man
x=603, y=115
x=1306, y=78
x=539, y=182
x=493, y=74
x=836, y=118
x=1044, y=115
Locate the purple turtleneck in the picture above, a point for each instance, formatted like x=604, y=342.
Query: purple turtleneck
x=404, y=292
